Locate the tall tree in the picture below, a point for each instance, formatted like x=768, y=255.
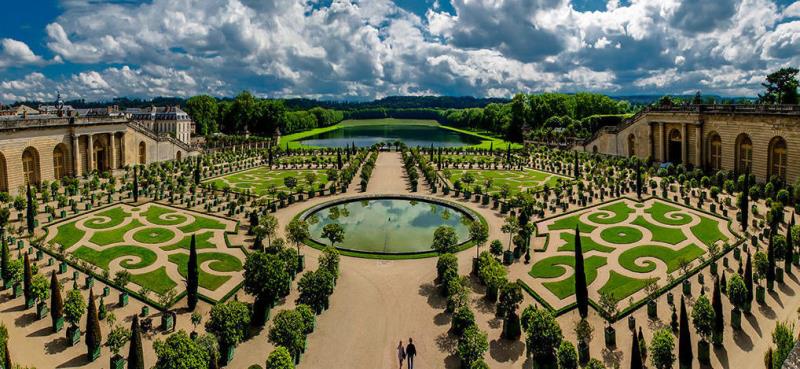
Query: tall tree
x=27, y=281
x=204, y=112
x=748, y=282
x=93, y=335
x=7, y=357
x=30, y=214
x=135, y=184
x=197, y=172
x=638, y=180
x=192, y=275
x=581, y=290
x=135, y=352
x=789, y=257
x=5, y=258
x=577, y=169
x=719, y=319
x=781, y=87
x=745, y=210
x=771, y=259
x=684, y=341
x=56, y=302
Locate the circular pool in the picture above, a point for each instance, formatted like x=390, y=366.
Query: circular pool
x=388, y=224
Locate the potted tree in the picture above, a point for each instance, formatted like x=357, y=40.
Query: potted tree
x=288, y=331
x=584, y=332
x=737, y=294
x=703, y=320
x=117, y=337
x=472, y=345
x=511, y=226
x=651, y=287
x=74, y=307
x=56, y=303
x=121, y=280
x=479, y=234
x=762, y=266
x=510, y=298
x=40, y=292
x=196, y=318
x=165, y=299
x=228, y=322
x=297, y=232
x=608, y=302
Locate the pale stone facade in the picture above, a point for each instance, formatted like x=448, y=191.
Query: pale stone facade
x=49, y=147
x=762, y=138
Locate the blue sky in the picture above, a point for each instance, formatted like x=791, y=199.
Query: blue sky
x=349, y=49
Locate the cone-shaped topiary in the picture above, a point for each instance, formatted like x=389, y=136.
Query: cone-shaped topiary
x=30, y=214
x=719, y=319
x=27, y=281
x=56, y=301
x=684, y=341
x=193, y=275
x=581, y=291
x=94, y=337
x=135, y=353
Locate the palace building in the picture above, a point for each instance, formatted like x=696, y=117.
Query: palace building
x=764, y=138
x=52, y=142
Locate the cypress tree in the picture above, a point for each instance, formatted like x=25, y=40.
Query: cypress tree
x=491, y=148
x=135, y=184
x=789, y=257
x=93, y=335
x=4, y=258
x=745, y=201
x=29, y=213
x=771, y=260
x=636, y=354
x=684, y=340
x=581, y=291
x=197, y=172
x=193, y=275
x=748, y=281
x=577, y=169
x=27, y=281
x=56, y=301
x=270, y=157
x=508, y=154
x=638, y=180
x=7, y=362
x=135, y=354
x=339, y=159
x=719, y=319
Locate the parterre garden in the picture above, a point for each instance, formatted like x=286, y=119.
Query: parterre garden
x=259, y=181
x=627, y=245
x=152, y=241
x=498, y=181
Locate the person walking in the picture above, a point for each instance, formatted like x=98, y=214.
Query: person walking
x=401, y=353
x=411, y=352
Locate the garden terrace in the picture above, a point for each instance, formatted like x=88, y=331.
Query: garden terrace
x=502, y=182
x=627, y=245
x=263, y=181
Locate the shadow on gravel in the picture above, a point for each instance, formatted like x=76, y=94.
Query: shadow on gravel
x=431, y=292
x=505, y=350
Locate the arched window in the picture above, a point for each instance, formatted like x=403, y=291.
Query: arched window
x=715, y=152
x=59, y=162
x=777, y=157
x=142, y=153
x=178, y=156
x=3, y=174
x=30, y=165
x=675, y=146
x=594, y=149
x=631, y=145
x=744, y=153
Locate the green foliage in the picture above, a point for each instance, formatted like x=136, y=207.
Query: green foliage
x=74, y=307
x=308, y=315
x=280, y=358
x=703, y=317
x=229, y=322
x=446, y=267
x=737, y=291
x=40, y=288
x=472, y=344
x=780, y=87
x=661, y=349
x=204, y=112
x=463, y=318
x=265, y=276
x=567, y=356
x=94, y=337
x=117, y=337
x=193, y=275
x=543, y=332
x=444, y=240
x=315, y=288
x=287, y=330
x=135, y=350
x=330, y=261
x=333, y=232
x=179, y=351
x=783, y=338
x=594, y=364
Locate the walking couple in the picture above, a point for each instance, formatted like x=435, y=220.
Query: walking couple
x=408, y=352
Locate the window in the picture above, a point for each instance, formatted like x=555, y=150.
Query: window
x=59, y=167
x=715, y=152
x=778, y=158
x=745, y=153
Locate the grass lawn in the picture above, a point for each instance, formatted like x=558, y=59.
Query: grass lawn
x=570, y=223
x=516, y=180
x=659, y=212
x=68, y=235
x=669, y=256
x=136, y=257
x=487, y=138
x=153, y=235
x=157, y=281
x=116, y=216
x=220, y=263
x=259, y=180
x=108, y=237
x=587, y=244
x=621, y=286
x=621, y=235
x=201, y=242
x=708, y=231
x=202, y=223
x=671, y=236
x=554, y=267
x=154, y=215
x=620, y=210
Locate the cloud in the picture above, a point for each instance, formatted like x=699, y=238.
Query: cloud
x=342, y=49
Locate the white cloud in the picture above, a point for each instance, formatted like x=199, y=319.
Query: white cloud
x=15, y=53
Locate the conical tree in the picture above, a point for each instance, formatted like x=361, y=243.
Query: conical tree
x=56, y=302
x=745, y=211
x=27, y=281
x=135, y=184
x=135, y=353
x=719, y=319
x=29, y=211
x=4, y=259
x=789, y=258
x=684, y=341
x=748, y=281
x=577, y=169
x=636, y=354
x=581, y=291
x=7, y=362
x=338, y=159
x=93, y=335
x=638, y=180
x=771, y=260
x=193, y=275
x=197, y=172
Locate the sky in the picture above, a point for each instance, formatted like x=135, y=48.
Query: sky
x=359, y=50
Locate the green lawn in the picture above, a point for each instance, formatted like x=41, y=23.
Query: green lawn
x=671, y=236
x=259, y=180
x=202, y=223
x=153, y=235
x=516, y=180
x=659, y=212
x=115, y=214
x=553, y=267
x=201, y=242
x=157, y=281
x=670, y=257
x=154, y=215
x=621, y=235
x=570, y=223
x=620, y=212
x=621, y=286
x=108, y=237
x=587, y=244
x=102, y=259
x=708, y=231
x=221, y=263
x=68, y=235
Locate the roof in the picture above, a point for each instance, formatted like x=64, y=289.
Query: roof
x=158, y=113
